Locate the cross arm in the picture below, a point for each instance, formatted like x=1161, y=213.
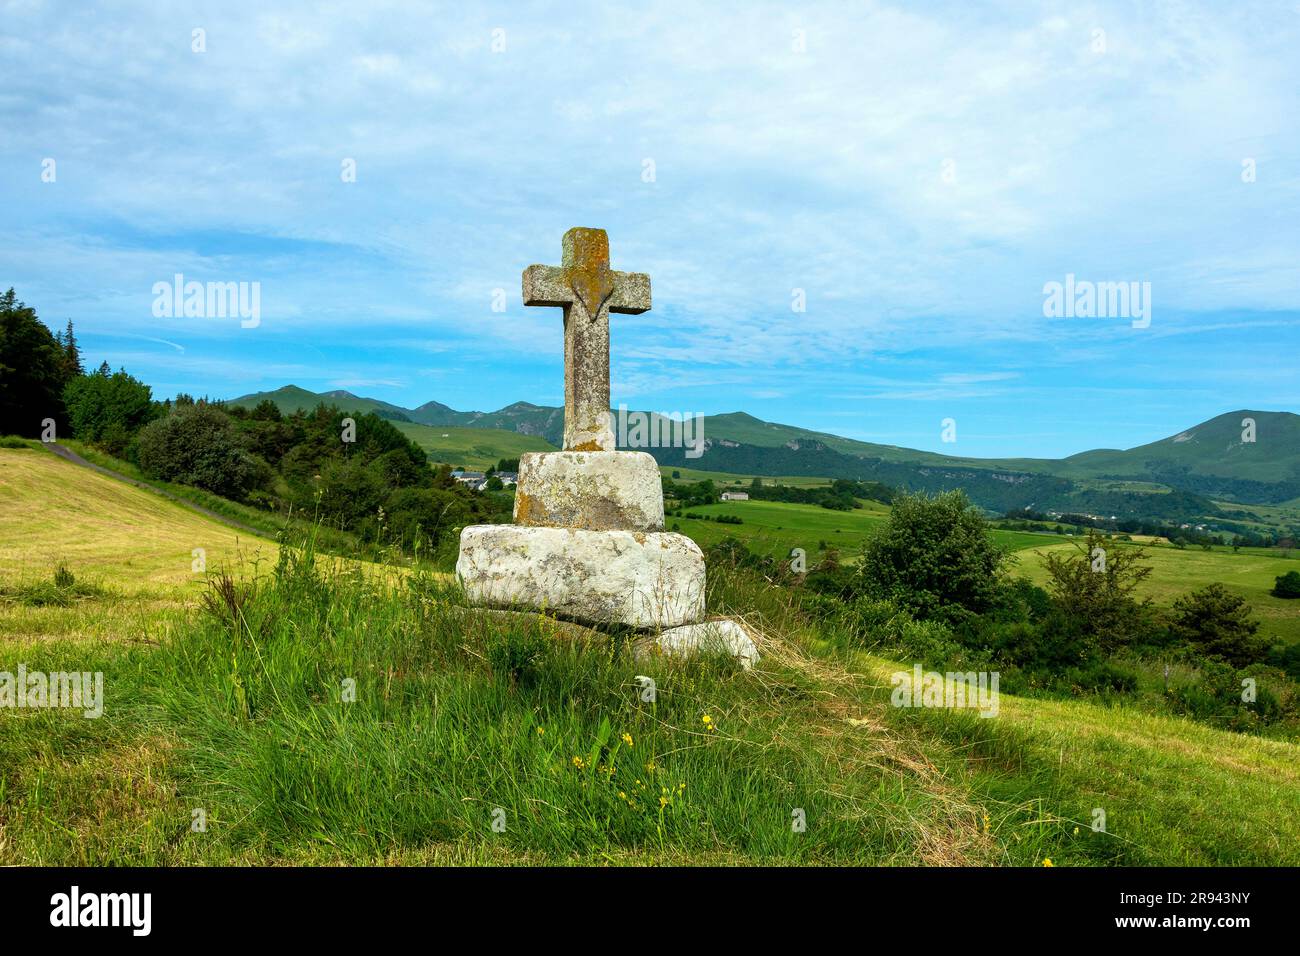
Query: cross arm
x=546, y=285
x=631, y=294
x=551, y=285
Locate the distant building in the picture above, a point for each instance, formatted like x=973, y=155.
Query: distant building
x=735, y=496
x=477, y=480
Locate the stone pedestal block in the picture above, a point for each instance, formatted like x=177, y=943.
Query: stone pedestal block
x=641, y=579
x=593, y=490
x=724, y=636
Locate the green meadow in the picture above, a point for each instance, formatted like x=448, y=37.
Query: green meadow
x=475, y=448
x=1175, y=572
x=774, y=528
x=313, y=710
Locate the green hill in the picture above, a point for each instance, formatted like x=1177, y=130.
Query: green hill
x=1176, y=478
x=291, y=398
x=475, y=448
x=288, y=776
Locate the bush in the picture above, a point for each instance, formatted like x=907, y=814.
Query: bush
x=1218, y=625
x=198, y=445
x=1101, y=676
x=1286, y=658
x=1216, y=696
x=1287, y=585
x=1094, y=587
x=935, y=557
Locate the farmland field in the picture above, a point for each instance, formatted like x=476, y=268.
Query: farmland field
x=775, y=527
x=133, y=546
x=727, y=478
x=1176, y=572
x=281, y=785
x=474, y=448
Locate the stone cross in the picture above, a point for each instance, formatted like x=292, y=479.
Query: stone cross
x=588, y=290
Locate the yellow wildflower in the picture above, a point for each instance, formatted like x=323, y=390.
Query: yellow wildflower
x=627, y=739
x=1048, y=862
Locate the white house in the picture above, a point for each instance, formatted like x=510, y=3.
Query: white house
x=735, y=496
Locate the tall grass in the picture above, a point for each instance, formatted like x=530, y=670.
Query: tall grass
x=317, y=711
x=319, y=707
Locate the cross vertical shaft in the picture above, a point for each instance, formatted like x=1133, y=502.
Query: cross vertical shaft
x=588, y=290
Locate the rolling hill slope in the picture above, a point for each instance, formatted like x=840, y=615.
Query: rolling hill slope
x=291, y=398
x=949, y=788
x=136, y=545
x=1204, y=462
x=474, y=448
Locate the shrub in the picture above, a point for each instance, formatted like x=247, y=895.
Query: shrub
x=1286, y=658
x=198, y=445
x=1094, y=586
x=935, y=557
x=1218, y=625
x=1287, y=585
x=1216, y=696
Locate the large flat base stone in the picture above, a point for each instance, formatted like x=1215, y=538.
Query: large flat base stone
x=726, y=636
x=640, y=579
x=595, y=490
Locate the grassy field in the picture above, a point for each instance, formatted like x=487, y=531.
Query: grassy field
x=1176, y=572
x=134, y=547
x=728, y=479
x=265, y=523
x=775, y=527
x=474, y=448
x=461, y=719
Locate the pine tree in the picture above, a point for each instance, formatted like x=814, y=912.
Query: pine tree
x=72, y=350
x=31, y=370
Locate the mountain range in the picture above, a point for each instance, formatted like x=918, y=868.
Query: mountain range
x=1192, y=470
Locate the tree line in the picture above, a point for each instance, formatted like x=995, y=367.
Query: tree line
x=932, y=586
x=356, y=473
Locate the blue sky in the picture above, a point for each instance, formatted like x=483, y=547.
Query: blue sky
x=919, y=171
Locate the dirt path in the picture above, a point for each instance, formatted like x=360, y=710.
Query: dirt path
x=69, y=455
